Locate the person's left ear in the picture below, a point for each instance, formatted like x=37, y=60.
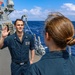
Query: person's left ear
x=47, y=36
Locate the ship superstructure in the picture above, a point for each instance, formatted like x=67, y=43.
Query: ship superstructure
x=5, y=10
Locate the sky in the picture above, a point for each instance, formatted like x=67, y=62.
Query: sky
x=38, y=10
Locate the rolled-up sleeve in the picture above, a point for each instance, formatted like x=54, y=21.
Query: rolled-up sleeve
x=32, y=43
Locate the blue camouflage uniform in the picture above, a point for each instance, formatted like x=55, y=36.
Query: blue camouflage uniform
x=19, y=52
x=54, y=63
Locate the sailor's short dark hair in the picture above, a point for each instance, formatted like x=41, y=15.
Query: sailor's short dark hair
x=18, y=20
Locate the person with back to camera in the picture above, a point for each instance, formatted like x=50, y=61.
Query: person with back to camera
x=19, y=45
x=58, y=33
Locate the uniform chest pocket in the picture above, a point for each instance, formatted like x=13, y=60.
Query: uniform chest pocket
x=27, y=43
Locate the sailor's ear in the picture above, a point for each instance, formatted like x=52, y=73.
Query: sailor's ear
x=47, y=36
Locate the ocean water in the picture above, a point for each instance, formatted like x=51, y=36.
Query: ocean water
x=37, y=28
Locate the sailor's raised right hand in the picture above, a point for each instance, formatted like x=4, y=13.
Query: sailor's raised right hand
x=5, y=32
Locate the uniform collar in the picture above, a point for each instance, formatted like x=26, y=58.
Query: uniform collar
x=56, y=54
x=17, y=38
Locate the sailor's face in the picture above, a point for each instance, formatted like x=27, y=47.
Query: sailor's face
x=19, y=26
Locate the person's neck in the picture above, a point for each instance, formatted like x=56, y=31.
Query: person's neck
x=20, y=35
x=54, y=47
